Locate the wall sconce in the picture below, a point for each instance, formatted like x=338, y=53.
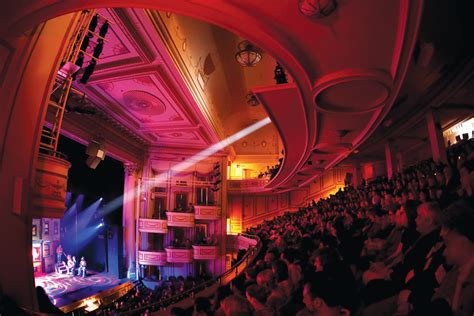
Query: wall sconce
x=317, y=8
x=228, y=226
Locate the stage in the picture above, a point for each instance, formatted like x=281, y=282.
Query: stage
x=65, y=289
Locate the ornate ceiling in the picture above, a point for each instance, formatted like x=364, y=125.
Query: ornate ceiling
x=138, y=85
x=173, y=79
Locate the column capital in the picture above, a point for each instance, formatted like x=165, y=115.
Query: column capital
x=130, y=168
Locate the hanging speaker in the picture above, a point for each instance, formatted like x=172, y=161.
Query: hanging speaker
x=96, y=152
x=92, y=162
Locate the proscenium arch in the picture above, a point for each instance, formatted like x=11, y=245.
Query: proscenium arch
x=23, y=115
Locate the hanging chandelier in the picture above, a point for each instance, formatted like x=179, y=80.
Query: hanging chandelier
x=252, y=100
x=317, y=8
x=248, y=55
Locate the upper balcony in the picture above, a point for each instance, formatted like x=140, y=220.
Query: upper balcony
x=179, y=255
x=203, y=252
x=207, y=212
x=149, y=225
x=152, y=258
x=179, y=219
x=246, y=186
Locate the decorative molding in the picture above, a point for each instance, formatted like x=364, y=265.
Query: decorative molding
x=207, y=212
x=6, y=55
x=152, y=258
x=191, y=82
x=179, y=255
x=376, y=84
x=205, y=252
x=178, y=219
x=130, y=168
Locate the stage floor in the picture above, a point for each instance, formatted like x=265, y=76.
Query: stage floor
x=65, y=289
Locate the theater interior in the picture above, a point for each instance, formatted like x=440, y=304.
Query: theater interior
x=210, y=157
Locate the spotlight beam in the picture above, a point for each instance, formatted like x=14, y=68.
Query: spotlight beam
x=112, y=205
x=212, y=149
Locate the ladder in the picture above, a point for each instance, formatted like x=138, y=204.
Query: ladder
x=64, y=79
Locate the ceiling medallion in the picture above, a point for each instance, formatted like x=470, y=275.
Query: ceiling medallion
x=317, y=8
x=143, y=102
x=248, y=55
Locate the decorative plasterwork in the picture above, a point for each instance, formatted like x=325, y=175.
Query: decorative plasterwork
x=194, y=81
x=352, y=91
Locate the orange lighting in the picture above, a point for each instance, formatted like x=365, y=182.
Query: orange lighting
x=234, y=227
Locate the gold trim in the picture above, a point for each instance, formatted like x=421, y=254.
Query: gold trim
x=192, y=84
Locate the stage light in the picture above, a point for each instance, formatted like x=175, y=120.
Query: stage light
x=280, y=75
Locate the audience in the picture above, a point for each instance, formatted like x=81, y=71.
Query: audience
x=399, y=246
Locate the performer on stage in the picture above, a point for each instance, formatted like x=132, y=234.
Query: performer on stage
x=82, y=267
x=71, y=264
x=59, y=254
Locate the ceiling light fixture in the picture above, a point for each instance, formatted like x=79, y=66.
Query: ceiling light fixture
x=317, y=8
x=248, y=55
x=252, y=100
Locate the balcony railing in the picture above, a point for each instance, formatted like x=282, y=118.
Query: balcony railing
x=178, y=219
x=186, y=298
x=152, y=258
x=201, y=252
x=207, y=212
x=148, y=225
x=247, y=185
x=179, y=255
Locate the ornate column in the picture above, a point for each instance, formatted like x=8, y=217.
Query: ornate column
x=390, y=159
x=220, y=263
x=128, y=218
x=438, y=149
x=357, y=176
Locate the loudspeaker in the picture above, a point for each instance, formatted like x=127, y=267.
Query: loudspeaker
x=96, y=152
x=92, y=162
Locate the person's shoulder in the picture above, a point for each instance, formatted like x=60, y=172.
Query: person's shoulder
x=304, y=312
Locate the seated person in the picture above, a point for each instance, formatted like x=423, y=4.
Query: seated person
x=236, y=305
x=456, y=292
x=415, y=278
x=257, y=296
x=321, y=297
x=71, y=264
x=82, y=267
x=384, y=281
x=277, y=297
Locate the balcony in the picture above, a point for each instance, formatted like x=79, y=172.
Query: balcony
x=245, y=242
x=152, y=258
x=179, y=255
x=205, y=252
x=207, y=212
x=247, y=185
x=177, y=219
x=148, y=225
